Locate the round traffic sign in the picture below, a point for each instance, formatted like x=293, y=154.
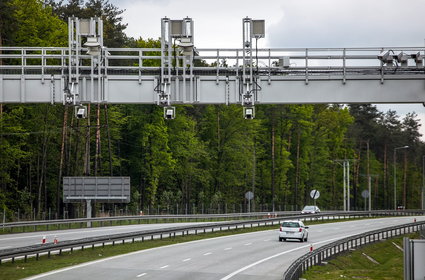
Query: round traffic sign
x=315, y=194
x=249, y=195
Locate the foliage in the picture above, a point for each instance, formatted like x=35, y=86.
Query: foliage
x=209, y=156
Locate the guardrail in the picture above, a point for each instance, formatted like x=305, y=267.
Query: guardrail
x=108, y=221
x=36, y=250
x=120, y=220
x=316, y=257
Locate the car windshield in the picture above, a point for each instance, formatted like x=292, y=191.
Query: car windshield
x=309, y=208
x=291, y=224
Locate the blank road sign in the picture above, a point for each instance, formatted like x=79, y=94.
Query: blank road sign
x=105, y=189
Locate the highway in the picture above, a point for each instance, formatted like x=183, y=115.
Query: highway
x=16, y=240
x=257, y=255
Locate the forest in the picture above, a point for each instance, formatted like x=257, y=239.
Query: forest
x=206, y=159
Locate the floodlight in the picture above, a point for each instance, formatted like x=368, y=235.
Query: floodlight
x=385, y=57
x=81, y=112
x=169, y=113
x=249, y=113
x=402, y=57
x=418, y=59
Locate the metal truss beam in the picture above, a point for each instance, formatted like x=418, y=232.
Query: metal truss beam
x=283, y=76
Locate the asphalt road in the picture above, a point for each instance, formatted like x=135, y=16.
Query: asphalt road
x=257, y=255
x=8, y=241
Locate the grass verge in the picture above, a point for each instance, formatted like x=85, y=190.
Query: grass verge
x=355, y=265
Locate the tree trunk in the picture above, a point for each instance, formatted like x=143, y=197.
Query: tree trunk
x=77, y=169
x=109, y=140
x=273, y=163
x=43, y=163
x=64, y=131
x=405, y=181
x=384, y=201
x=356, y=167
x=97, y=165
x=297, y=170
x=87, y=152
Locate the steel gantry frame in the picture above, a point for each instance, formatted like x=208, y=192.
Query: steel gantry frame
x=177, y=73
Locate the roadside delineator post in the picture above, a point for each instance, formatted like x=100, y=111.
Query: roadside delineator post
x=43, y=240
x=55, y=241
x=414, y=220
x=311, y=247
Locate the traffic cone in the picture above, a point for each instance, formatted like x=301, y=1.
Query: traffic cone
x=43, y=240
x=55, y=241
x=311, y=247
x=414, y=220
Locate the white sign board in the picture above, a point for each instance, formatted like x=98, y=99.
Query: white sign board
x=249, y=195
x=102, y=189
x=315, y=194
x=418, y=252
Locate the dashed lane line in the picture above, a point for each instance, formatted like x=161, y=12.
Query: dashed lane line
x=274, y=256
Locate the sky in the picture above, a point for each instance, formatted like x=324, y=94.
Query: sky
x=290, y=23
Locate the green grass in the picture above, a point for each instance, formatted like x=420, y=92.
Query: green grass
x=355, y=265
x=20, y=269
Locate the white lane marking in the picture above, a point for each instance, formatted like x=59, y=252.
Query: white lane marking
x=140, y=275
x=226, y=249
x=186, y=260
x=5, y=247
x=274, y=256
x=140, y=252
x=165, y=266
x=265, y=240
x=247, y=244
x=206, y=254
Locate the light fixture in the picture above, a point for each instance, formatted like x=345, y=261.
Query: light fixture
x=80, y=112
x=249, y=112
x=385, y=57
x=169, y=113
x=93, y=46
x=402, y=58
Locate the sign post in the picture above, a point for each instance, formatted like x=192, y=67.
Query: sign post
x=315, y=194
x=101, y=189
x=249, y=196
x=365, y=195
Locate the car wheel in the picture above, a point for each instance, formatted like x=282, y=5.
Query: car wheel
x=280, y=239
x=306, y=238
x=302, y=239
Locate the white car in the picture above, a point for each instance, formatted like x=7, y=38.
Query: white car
x=293, y=230
x=310, y=210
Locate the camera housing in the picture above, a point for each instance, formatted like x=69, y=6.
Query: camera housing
x=81, y=112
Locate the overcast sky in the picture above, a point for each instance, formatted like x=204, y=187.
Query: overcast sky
x=290, y=23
